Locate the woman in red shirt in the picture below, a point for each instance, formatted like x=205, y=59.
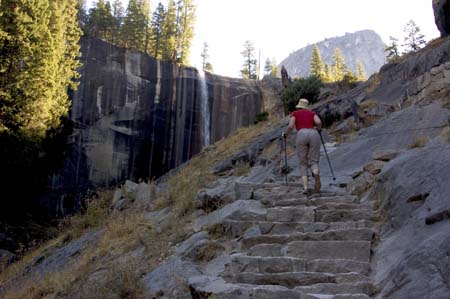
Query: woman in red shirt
x=307, y=142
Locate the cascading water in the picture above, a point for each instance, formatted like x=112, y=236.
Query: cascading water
x=206, y=114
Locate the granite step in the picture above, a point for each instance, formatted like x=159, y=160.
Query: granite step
x=295, y=279
x=235, y=228
x=244, y=263
x=359, y=234
x=349, y=250
x=316, y=201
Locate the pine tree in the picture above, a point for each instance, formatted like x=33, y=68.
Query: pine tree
x=339, y=67
x=249, y=67
x=82, y=14
x=156, y=27
x=206, y=65
x=38, y=63
x=100, y=20
x=328, y=74
x=185, y=29
x=414, y=39
x=391, y=50
x=316, y=67
x=360, y=71
x=118, y=16
x=134, y=33
x=169, y=30
x=270, y=67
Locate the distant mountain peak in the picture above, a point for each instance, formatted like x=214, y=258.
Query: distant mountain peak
x=364, y=45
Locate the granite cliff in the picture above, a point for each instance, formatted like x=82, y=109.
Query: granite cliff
x=365, y=45
x=137, y=117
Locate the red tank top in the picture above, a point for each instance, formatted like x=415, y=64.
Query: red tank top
x=304, y=119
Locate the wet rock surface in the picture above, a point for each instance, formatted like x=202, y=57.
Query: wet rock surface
x=136, y=117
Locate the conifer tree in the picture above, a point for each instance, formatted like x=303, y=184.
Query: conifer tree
x=38, y=62
x=414, y=39
x=328, y=74
x=100, y=20
x=270, y=67
x=391, y=50
x=118, y=13
x=156, y=27
x=134, y=33
x=249, y=68
x=82, y=14
x=339, y=67
x=316, y=67
x=169, y=30
x=206, y=65
x=360, y=71
x=185, y=29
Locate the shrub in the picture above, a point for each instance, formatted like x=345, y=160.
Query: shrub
x=308, y=88
x=263, y=116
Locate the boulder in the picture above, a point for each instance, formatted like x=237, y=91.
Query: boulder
x=442, y=16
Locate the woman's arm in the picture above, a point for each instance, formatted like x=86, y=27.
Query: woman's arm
x=317, y=122
x=291, y=124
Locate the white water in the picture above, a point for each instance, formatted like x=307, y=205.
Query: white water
x=206, y=113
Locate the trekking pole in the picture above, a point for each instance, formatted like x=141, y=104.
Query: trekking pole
x=285, y=160
x=326, y=154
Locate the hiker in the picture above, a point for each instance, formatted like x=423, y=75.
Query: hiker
x=307, y=142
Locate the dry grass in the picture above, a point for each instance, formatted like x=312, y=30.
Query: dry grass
x=373, y=83
x=96, y=212
x=121, y=234
x=368, y=104
x=241, y=169
x=420, y=141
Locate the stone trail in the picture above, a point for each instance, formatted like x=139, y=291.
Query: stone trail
x=308, y=247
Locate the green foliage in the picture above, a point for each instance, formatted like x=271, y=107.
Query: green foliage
x=134, y=32
x=38, y=62
x=414, y=39
x=100, y=21
x=169, y=31
x=206, y=65
x=391, y=50
x=156, y=26
x=270, y=68
x=360, y=71
x=339, y=68
x=185, y=29
x=308, y=88
x=263, y=116
x=316, y=66
x=166, y=34
x=328, y=74
x=249, y=68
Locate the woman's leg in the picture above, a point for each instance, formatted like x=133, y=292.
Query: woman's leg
x=302, y=154
x=314, y=155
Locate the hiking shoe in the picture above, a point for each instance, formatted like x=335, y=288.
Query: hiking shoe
x=317, y=183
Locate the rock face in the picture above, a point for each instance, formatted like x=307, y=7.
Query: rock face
x=365, y=45
x=136, y=117
x=442, y=16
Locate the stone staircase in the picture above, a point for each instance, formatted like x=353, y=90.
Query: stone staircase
x=305, y=247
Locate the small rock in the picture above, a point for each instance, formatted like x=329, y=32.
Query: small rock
x=374, y=167
x=385, y=155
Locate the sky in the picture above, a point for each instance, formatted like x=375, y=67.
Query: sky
x=280, y=27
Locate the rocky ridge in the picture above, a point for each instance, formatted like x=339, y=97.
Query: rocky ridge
x=365, y=46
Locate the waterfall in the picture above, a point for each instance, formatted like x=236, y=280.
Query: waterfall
x=205, y=112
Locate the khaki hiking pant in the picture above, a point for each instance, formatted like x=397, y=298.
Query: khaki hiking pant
x=308, y=150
